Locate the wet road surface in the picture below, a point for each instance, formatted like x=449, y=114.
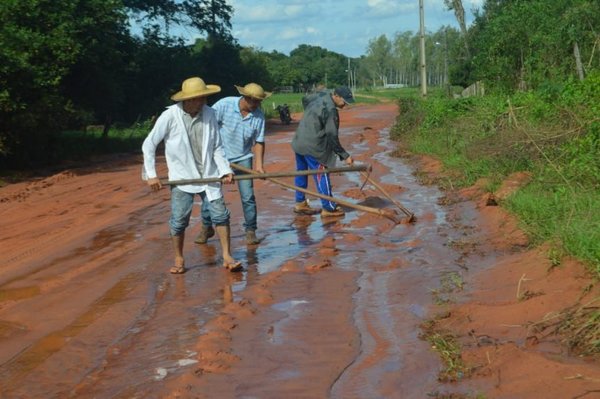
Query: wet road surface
x=324, y=308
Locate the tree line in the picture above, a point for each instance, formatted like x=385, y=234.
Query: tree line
x=73, y=63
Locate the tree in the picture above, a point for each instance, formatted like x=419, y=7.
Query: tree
x=38, y=45
x=255, y=63
x=528, y=44
x=314, y=64
x=459, y=12
x=379, y=58
x=212, y=17
x=95, y=82
x=71, y=62
x=406, y=58
x=282, y=70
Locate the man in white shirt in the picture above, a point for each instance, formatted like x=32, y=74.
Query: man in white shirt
x=193, y=150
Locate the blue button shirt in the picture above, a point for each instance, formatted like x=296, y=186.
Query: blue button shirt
x=239, y=134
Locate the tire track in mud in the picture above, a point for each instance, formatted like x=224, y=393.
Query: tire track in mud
x=82, y=257
x=100, y=210
x=34, y=187
x=130, y=299
x=85, y=258
x=27, y=360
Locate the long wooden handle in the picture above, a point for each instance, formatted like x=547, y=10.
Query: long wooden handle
x=353, y=168
x=388, y=196
x=384, y=213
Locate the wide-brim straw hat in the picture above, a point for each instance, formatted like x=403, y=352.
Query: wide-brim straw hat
x=254, y=91
x=194, y=87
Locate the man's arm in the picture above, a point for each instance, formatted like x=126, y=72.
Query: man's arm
x=259, y=146
x=259, y=156
x=332, y=123
x=156, y=135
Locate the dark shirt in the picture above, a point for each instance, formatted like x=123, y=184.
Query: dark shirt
x=307, y=99
x=317, y=132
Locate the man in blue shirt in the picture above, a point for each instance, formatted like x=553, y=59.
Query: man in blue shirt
x=242, y=130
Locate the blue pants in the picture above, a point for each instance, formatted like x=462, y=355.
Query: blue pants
x=181, y=210
x=322, y=181
x=246, y=189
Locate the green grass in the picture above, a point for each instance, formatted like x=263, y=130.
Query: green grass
x=569, y=218
x=80, y=145
x=579, y=327
x=293, y=100
x=448, y=348
x=555, y=139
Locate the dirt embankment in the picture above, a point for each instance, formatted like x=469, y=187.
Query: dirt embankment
x=506, y=320
x=324, y=308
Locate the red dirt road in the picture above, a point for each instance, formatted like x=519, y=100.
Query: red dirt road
x=323, y=308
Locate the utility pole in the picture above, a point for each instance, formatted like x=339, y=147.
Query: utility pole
x=422, y=42
x=349, y=74
x=446, y=81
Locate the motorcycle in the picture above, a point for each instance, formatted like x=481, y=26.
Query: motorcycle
x=284, y=114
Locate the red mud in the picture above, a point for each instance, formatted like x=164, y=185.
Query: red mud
x=324, y=308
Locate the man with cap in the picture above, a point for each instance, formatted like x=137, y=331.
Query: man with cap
x=242, y=129
x=316, y=144
x=193, y=150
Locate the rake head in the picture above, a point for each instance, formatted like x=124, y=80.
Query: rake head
x=393, y=215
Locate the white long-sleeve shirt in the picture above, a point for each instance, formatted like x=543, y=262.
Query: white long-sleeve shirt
x=178, y=151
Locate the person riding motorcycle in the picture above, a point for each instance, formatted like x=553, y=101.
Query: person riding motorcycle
x=284, y=114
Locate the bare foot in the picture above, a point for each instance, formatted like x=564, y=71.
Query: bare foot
x=233, y=265
x=179, y=267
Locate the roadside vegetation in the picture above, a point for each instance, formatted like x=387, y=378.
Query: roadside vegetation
x=446, y=344
x=552, y=134
x=555, y=136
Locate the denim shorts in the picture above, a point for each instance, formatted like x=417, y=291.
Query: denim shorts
x=181, y=210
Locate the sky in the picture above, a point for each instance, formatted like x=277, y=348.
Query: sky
x=341, y=26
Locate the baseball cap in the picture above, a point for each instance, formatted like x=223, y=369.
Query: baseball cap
x=345, y=93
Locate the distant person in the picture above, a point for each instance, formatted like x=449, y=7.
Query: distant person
x=316, y=144
x=242, y=129
x=193, y=150
x=284, y=114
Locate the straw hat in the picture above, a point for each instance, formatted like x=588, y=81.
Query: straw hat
x=253, y=90
x=194, y=87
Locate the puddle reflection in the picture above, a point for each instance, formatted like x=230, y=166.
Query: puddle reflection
x=302, y=225
x=288, y=242
x=236, y=283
